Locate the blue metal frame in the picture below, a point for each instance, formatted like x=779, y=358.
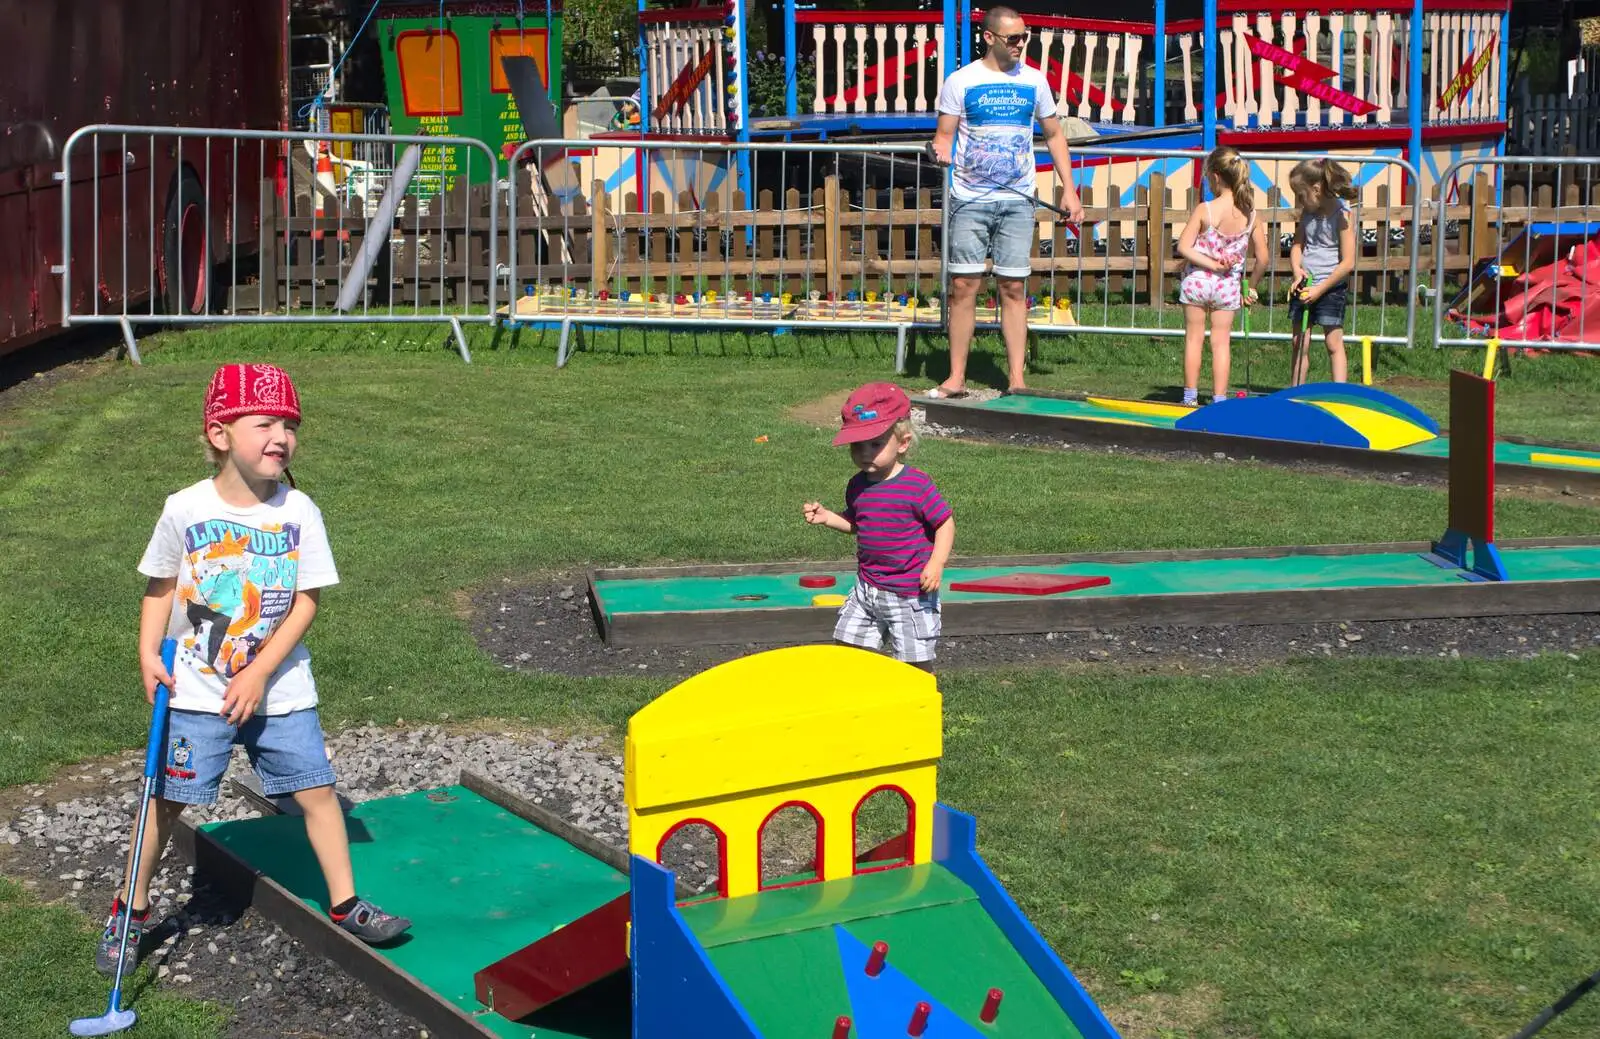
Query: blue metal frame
x=1418, y=103
x=964, y=33
x=952, y=42
x=1160, y=86
x=1505, y=112
x=1208, y=103
x=644, y=75
x=739, y=79
x=791, y=67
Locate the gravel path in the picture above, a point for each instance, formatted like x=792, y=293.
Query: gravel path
x=67, y=840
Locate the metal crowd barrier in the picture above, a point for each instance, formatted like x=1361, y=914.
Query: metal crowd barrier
x=210, y=226
x=854, y=237
x=724, y=236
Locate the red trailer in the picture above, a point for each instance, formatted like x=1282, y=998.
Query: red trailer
x=71, y=63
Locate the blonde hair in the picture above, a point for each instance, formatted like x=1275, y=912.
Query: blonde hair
x=1233, y=172
x=1332, y=178
x=905, y=429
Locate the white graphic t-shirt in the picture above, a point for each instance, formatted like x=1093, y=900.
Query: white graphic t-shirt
x=238, y=570
x=995, y=139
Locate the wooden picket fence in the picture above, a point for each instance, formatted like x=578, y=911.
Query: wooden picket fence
x=837, y=242
x=1555, y=124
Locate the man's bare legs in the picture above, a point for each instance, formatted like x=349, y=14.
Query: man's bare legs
x=963, y=315
x=1014, y=329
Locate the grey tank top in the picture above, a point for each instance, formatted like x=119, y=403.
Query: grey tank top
x=1321, y=236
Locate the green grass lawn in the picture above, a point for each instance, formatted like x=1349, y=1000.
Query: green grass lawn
x=1331, y=849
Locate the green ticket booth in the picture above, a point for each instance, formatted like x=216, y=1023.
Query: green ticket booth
x=443, y=77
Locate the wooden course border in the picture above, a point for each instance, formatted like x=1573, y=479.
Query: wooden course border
x=245, y=885
x=1290, y=453
x=1045, y=613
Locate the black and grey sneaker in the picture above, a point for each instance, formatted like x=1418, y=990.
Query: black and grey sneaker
x=105, y=954
x=371, y=924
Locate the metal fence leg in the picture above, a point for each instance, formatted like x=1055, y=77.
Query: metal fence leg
x=461, y=339
x=900, y=349
x=561, y=347
x=127, y=340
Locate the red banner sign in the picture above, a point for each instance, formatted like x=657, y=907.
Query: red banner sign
x=1306, y=76
x=1468, y=74
x=677, y=95
x=1328, y=94
x=1295, y=63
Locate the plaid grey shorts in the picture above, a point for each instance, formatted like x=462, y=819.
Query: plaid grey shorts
x=872, y=616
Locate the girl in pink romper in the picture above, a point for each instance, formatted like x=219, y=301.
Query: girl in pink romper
x=1214, y=241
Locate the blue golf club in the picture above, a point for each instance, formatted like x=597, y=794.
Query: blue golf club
x=116, y=1018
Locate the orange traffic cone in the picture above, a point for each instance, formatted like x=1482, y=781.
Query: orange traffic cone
x=326, y=186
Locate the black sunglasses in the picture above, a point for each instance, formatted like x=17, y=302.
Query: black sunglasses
x=1016, y=39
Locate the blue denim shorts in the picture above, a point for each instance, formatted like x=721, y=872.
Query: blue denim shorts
x=1003, y=229
x=286, y=751
x=1327, y=312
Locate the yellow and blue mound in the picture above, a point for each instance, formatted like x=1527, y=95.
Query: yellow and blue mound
x=1335, y=413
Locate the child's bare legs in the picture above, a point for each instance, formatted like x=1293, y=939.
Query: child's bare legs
x=1336, y=358
x=159, y=819
x=325, y=830
x=1300, y=360
x=1194, y=342
x=1221, y=355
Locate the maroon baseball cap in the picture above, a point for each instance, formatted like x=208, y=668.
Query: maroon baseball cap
x=871, y=410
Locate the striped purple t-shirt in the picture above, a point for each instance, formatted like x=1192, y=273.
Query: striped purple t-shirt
x=894, y=520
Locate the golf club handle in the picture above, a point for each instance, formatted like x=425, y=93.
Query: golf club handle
x=158, y=712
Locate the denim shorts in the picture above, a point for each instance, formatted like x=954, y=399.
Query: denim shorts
x=1003, y=229
x=286, y=751
x=1326, y=312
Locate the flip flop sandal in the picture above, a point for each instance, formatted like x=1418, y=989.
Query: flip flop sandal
x=940, y=393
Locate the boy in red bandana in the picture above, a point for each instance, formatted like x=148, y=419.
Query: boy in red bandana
x=235, y=569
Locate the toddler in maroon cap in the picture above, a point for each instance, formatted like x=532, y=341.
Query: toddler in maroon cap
x=234, y=571
x=902, y=526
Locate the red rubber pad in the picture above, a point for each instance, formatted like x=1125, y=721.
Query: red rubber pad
x=817, y=581
x=1031, y=584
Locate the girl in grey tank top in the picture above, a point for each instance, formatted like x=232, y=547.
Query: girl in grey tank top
x=1323, y=255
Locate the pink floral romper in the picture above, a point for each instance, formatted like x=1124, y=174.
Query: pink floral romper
x=1209, y=289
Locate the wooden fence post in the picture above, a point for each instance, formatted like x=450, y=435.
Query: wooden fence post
x=600, y=208
x=273, y=232
x=832, y=244
x=1482, y=192
x=1156, y=242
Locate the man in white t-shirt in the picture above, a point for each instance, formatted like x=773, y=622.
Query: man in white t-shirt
x=985, y=132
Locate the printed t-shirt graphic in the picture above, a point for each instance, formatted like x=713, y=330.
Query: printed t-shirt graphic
x=237, y=572
x=244, y=580
x=994, y=142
